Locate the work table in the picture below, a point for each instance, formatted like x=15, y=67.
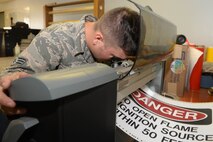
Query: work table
x=200, y=95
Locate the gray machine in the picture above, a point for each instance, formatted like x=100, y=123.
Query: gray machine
x=79, y=104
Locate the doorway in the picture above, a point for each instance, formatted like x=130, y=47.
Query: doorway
x=1, y=19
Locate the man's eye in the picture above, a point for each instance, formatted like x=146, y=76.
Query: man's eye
x=116, y=59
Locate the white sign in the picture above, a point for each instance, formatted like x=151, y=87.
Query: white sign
x=149, y=117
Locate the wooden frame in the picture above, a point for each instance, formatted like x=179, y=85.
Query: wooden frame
x=97, y=9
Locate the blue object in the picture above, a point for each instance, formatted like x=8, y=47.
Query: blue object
x=206, y=80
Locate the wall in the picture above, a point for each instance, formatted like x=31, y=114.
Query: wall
x=32, y=9
x=192, y=17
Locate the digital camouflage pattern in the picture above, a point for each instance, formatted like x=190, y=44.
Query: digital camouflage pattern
x=58, y=46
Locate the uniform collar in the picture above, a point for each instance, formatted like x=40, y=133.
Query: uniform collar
x=83, y=50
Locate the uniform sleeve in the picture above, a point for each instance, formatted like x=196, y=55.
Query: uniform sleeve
x=43, y=54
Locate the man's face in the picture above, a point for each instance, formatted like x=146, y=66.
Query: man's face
x=102, y=51
x=106, y=53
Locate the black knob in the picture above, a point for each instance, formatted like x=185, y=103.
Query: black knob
x=181, y=39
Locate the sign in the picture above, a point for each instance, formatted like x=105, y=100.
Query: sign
x=149, y=117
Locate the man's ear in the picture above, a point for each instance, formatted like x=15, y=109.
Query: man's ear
x=98, y=38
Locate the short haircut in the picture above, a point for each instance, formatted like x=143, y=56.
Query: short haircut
x=121, y=27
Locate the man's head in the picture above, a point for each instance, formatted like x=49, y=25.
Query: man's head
x=117, y=34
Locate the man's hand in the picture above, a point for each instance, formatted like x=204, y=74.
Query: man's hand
x=7, y=104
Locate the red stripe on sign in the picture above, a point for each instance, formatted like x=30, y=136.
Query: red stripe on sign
x=166, y=110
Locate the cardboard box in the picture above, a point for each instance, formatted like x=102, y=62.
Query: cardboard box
x=175, y=72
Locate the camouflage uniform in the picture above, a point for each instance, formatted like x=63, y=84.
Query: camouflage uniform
x=56, y=47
